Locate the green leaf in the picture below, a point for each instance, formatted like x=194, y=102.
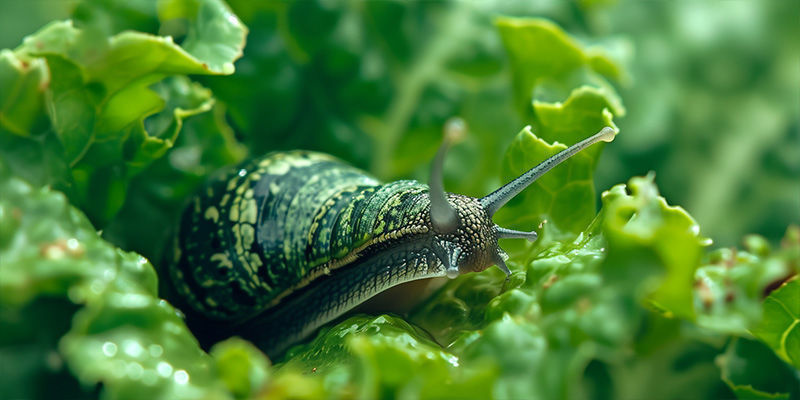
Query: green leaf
x=206, y=29
x=102, y=92
x=754, y=372
x=137, y=345
x=109, y=17
x=780, y=327
x=547, y=64
x=565, y=195
x=586, y=111
x=22, y=84
x=125, y=336
x=385, y=356
x=157, y=196
x=214, y=35
x=242, y=367
x=654, y=248
x=48, y=247
x=731, y=285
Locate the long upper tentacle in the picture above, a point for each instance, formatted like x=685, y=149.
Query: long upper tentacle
x=504, y=233
x=497, y=199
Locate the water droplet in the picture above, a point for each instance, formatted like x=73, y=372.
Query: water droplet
x=97, y=286
x=132, y=348
x=53, y=252
x=452, y=273
x=453, y=361
x=155, y=350
x=181, y=377
x=242, y=172
x=73, y=244
x=109, y=349
x=135, y=370
x=172, y=327
x=164, y=369
x=109, y=274
x=134, y=300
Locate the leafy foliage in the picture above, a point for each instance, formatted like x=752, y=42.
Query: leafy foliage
x=110, y=121
x=98, y=90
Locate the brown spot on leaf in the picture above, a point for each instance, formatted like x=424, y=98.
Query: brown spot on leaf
x=776, y=284
x=61, y=248
x=705, y=294
x=729, y=297
x=550, y=281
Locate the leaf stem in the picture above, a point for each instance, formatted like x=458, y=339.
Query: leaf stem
x=425, y=69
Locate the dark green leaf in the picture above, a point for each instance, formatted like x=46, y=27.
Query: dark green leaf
x=754, y=372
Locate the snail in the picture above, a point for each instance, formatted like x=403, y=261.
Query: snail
x=283, y=244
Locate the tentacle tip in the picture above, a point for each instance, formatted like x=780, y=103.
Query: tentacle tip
x=607, y=134
x=455, y=129
x=504, y=233
x=452, y=273
x=503, y=267
x=500, y=261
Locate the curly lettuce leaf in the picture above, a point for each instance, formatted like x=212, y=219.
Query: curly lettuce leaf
x=780, y=327
x=567, y=65
x=102, y=89
x=124, y=335
x=214, y=34
x=157, y=195
x=205, y=29
x=654, y=248
x=564, y=196
x=754, y=372
x=242, y=367
x=371, y=357
x=731, y=285
x=48, y=247
x=21, y=103
x=137, y=345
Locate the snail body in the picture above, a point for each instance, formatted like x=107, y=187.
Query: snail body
x=283, y=244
